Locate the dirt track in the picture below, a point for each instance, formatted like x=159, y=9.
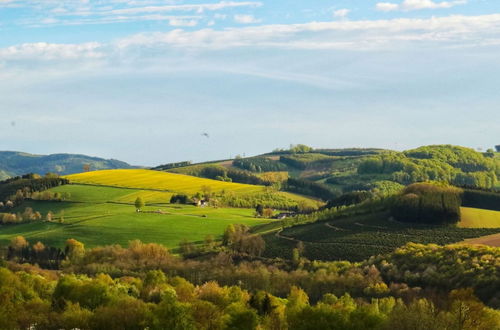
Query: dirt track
x=491, y=240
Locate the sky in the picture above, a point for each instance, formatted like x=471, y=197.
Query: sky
x=142, y=80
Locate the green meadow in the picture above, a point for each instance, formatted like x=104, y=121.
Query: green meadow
x=102, y=216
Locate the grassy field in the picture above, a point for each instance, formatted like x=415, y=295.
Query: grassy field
x=101, y=216
x=357, y=238
x=161, y=181
x=159, y=186
x=479, y=218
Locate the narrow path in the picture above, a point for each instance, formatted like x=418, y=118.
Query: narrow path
x=333, y=227
x=288, y=238
x=368, y=226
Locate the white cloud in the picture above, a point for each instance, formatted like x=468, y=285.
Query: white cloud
x=188, y=7
x=386, y=6
x=80, y=12
x=408, y=5
x=341, y=13
x=183, y=22
x=459, y=31
x=246, y=19
x=47, y=51
x=452, y=31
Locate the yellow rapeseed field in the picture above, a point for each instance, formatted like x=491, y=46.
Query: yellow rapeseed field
x=161, y=181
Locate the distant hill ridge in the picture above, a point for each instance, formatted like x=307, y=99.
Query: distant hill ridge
x=14, y=163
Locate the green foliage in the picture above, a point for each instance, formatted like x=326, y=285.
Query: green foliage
x=386, y=188
x=170, y=166
x=465, y=159
x=445, y=267
x=308, y=161
x=270, y=199
x=310, y=188
x=217, y=172
x=180, y=199
x=300, y=148
x=240, y=240
x=417, y=286
x=350, y=198
x=455, y=165
x=139, y=203
x=428, y=203
x=481, y=199
x=259, y=164
x=19, y=188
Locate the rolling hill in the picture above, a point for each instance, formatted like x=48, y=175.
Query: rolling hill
x=374, y=170
x=14, y=163
x=97, y=215
x=157, y=183
x=98, y=208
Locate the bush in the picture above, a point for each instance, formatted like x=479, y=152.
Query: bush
x=180, y=199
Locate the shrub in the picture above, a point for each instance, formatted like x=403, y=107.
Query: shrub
x=180, y=199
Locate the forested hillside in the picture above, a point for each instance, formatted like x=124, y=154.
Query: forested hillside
x=18, y=163
x=329, y=173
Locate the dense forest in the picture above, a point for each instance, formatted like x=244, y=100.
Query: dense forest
x=144, y=286
x=455, y=165
x=428, y=203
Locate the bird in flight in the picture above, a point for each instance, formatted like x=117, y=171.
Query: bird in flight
x=205, y=135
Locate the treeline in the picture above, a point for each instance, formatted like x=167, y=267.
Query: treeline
x=47, y=257
x=29, y=215
x=488, y=200
x=9, y=189
x=350, y=198
x=169, y=166
x=307, y=161
x=376, y=188
x=445, y=267
x=310, y=188
x=347, y=152
x=428, y=203
x=259, y=164
x=455, y=165
x=354, y=152
x=466, y=159
x=269, y=199
x=216, y=172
